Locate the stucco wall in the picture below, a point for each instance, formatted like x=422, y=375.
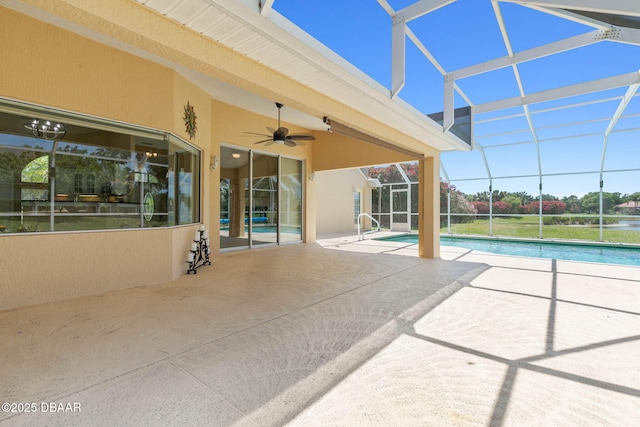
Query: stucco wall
x=333, y=151
x=53, y=67
x=335, y=200
x=46, y=267
x=50, y=66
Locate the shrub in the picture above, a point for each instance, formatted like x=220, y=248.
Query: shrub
x=481, y=207
x=549, y=207
x=502, y=208
x=576, y=220
x=459, y=205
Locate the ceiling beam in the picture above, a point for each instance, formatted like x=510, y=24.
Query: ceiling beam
x=387, y=7
x=537, y=52
x=265, y=6
x=571, y=16
x=421, y=8
x=618, y=7
x=629, y=35
x=562, y=92
x=624, y=102
x=399, y=29
x=398, y=57
x=626, y=99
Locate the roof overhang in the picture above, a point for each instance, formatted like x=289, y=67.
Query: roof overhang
x=272, y=41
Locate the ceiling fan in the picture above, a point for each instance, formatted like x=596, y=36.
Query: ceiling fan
x=282, y=136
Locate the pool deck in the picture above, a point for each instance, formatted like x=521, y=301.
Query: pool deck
x=338, y=333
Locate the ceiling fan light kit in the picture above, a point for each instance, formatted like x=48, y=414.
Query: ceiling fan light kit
x=281, y=135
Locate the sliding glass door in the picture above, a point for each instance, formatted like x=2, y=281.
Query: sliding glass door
x=261, y=200
x=264, y=200
x=290, y=200
x=234, y=181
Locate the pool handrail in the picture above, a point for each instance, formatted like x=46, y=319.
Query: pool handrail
x=361, y=234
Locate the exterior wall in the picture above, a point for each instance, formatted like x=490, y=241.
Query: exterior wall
x=38, y=268
x=57, y=68
x=332, y=151
x=228, y=126
x=50, y=66
x=335, y=204
x=81, y=75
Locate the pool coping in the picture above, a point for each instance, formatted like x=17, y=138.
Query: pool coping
x=527, y=240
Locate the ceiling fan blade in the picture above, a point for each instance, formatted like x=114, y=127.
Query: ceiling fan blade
x=302, y=137
x=297, y=142
x=258, y=134
x=281, y=135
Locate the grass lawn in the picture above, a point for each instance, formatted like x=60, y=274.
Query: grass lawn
x=527, y=227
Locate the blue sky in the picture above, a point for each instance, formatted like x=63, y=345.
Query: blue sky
x=466, y=33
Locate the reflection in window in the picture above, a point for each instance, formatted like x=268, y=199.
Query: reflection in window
x=98, y=177
x=261, y=198
x=78, y=183
x=91, y=183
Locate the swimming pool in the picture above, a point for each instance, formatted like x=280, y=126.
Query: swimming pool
x=552, y=250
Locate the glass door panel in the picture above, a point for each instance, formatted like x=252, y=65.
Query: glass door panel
x=291, y=200
x=263, y=221
x=234, y=180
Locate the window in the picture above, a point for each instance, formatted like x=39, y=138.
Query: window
x=88, y=174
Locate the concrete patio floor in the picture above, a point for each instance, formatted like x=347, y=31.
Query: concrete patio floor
x=338, y=333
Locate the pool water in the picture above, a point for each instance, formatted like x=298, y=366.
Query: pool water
x=564, y=251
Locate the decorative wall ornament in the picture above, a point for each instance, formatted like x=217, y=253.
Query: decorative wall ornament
x=190, y=120
x=200, y=251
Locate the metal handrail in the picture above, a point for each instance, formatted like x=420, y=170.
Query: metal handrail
x=361, y=235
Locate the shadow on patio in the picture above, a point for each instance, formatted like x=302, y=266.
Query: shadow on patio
x=313, y=336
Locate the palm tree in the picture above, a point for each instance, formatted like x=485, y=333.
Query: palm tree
x=525, y=198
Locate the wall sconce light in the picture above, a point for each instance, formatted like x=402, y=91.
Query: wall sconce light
x=327, y=121
x=312, y=176
x=214, y=162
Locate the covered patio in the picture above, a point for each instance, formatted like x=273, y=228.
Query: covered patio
x=341, y=332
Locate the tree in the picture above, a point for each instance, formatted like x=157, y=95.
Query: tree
x=459, y=205
x=482, y=196
x=386, y=174
x=525, y=198
x=496, y=196
x=513, y=200
x=635, y=197
x=573, y=203
x=591, y=202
